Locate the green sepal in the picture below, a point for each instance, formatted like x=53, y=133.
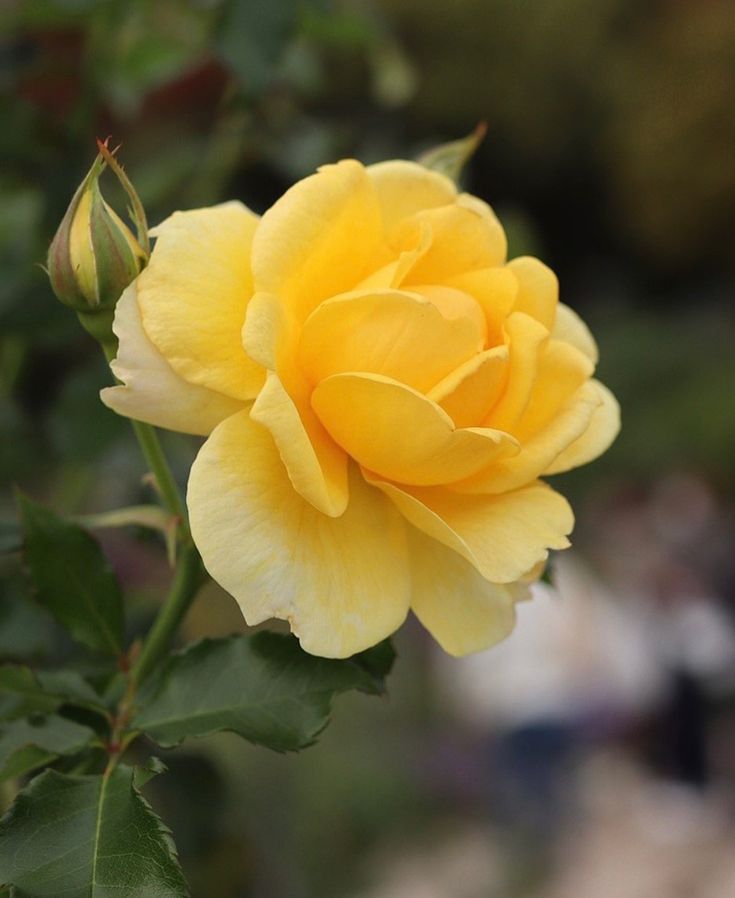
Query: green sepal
x=449, y=159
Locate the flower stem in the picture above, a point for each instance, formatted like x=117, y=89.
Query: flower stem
x=153, y=453
x=189, y=576
x=150, y=446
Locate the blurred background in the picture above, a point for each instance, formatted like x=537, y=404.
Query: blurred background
x=594, y=752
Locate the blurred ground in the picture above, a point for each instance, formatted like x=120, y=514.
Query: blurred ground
x=594, y=752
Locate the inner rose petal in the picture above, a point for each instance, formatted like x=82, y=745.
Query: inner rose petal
x=398, y=334
x=395, y=431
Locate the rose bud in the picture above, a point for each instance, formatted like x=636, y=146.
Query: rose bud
x=94, y=255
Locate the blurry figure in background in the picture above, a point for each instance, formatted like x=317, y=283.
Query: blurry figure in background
x=628, y=668
x=577, y=669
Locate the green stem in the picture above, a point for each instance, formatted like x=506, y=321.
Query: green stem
x=153, y=453
x=188, y=578
x=158, y=464
x=189, y=574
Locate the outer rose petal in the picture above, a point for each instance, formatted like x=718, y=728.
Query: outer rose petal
x=152, y=390
x=194, y=293
x=502, y=536
x=405, y=188
x=562, y=369
x=538, y=289
x=397, y=432
x=570, y=328
x=462, y=611
x=342, y=584
x=318, y=239
x=602, y=430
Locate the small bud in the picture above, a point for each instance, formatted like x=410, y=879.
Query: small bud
x=94, y=255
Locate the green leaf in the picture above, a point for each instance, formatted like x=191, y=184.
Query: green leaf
x=73, y=579
x=87, y=837
x=23, y=691
x=145, y=772
x=31, y=743
x=262, y=686
x=450, y=158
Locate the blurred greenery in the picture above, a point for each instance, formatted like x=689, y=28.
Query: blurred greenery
x=609, y=153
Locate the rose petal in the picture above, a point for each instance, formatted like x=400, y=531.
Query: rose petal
x=397, y=334
x=539, y=452
x=526, y=341
x=152, y=391
x=399, y=433
x=404, y=188
x=569, y=327
x=462, y=611
x=316, y=465
x=604, y=426
x=538, y=289
x=468, y=394
x=318, y=239
x=503, y=536
x=343, y=584
x=194, y=293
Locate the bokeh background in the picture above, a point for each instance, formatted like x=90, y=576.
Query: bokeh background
x=594, y=752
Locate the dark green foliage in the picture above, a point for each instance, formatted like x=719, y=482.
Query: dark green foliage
x=35, y=741
x=23, y=691
x=72, y=577
x=263, y=687
x=87, y=837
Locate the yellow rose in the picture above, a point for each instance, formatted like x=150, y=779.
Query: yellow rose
x=410, y=386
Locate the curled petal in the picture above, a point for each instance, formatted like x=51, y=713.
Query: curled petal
x=503, y=536
x=396, y=431
x=596, y=439
x=540, y=451
x=465, y=236
x=468, y=394
x=569, y=327
x=316, y=465
x=526, y=342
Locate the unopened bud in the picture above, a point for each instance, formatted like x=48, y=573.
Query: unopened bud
x=94, y=255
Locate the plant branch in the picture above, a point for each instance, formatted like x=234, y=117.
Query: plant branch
x=189, y=576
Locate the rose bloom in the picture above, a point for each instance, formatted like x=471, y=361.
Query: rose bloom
x=380, y=391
